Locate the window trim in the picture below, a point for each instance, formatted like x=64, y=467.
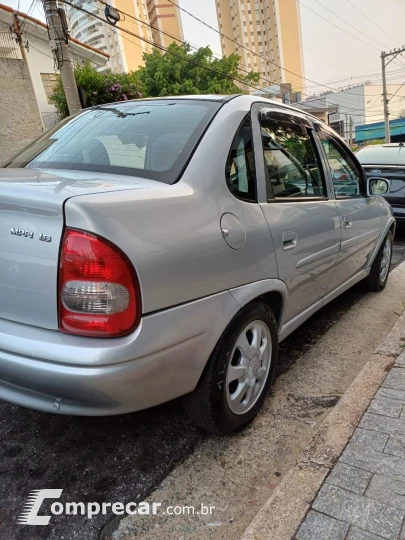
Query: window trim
x=321, y=128
x=254, y=200
x=305, y=122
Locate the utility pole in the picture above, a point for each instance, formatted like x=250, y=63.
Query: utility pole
x=385, y=100
x=347, y=129
x=351, y=132
x=384, y=65
x=17, y=30
x=61, y=52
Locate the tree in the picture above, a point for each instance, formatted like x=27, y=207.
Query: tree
x=173, y=73
x=168, y=74
x=99, y=87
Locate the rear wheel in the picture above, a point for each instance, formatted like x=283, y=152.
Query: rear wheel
x=237, y=377
x=377, y=279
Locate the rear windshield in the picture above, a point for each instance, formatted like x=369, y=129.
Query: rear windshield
x=382, y=155
x=151, y=139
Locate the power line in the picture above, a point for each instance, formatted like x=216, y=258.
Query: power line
x=246, y=48
x=347, y=107
x=375, y=24
x=174, y=37
x=396, y=92
x=338, y=27
x=364, y=76
x=160, y=47
x=349, y=24
x=171, y=35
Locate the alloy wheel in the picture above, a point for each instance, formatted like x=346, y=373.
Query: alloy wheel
x=386, y=259
x=249, y=367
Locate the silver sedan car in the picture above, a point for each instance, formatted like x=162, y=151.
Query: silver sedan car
x=161, y=248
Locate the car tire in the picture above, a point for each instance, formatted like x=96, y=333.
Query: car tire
x=378, y=276
x=243, y=359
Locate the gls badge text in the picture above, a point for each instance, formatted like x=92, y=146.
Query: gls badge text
x=30, y=234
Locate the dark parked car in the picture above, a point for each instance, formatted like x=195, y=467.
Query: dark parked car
x=387, y=161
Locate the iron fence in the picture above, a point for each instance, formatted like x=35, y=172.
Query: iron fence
x=50, y=119
x=9, y=47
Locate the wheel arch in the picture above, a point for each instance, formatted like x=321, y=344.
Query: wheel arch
x=271, y=291
x=389, y=226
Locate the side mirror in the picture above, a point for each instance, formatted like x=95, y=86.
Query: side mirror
x=377, y=186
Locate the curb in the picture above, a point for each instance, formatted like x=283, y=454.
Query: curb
x=281, y=515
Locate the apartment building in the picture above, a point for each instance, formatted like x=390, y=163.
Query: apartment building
x=126, y=51
x=271, y=31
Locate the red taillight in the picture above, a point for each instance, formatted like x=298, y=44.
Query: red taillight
x=98, y=288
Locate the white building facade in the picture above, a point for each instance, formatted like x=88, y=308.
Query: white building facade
x=358, y=105
x=40, y=61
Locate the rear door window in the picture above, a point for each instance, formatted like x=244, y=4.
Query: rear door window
x=293, y=166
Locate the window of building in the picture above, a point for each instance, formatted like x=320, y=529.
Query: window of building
x=49, y=80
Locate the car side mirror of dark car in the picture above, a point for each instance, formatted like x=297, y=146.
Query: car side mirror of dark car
x=377, y=186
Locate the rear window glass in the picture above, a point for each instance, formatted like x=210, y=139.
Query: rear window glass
x=151, y=139
x=382, y=155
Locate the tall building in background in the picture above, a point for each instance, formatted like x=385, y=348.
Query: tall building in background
x=269, y=28
x=126, y=51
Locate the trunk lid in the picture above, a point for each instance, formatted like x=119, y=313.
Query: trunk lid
x=31, y=227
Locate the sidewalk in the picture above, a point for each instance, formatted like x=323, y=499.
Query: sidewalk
x=363, y=497
x=349, y=482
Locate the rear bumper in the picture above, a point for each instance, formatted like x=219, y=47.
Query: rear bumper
x=161, y=360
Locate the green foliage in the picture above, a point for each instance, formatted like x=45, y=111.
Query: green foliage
x=370, y=143
x=163, y=75
x=172, y=75
x=99, y=87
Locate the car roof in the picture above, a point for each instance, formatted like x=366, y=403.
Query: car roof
x=219, y=98
x=385, y=145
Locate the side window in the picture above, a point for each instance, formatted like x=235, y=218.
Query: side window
x=293, y=165
x=240, y=169
x=346, y=177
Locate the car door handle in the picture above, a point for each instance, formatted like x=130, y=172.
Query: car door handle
x=347, y=222
x=289, y=240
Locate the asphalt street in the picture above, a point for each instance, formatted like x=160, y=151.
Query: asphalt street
x=114, y=459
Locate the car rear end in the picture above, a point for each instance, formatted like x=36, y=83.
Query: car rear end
x=388, y=162
x=74, y=335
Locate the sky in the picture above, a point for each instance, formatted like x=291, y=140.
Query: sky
x=330, y=52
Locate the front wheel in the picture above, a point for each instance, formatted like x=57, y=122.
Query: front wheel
x=237, y=377
x=377, y=278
